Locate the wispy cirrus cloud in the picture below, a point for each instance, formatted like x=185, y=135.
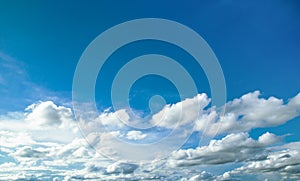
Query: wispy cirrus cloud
x=16, y=88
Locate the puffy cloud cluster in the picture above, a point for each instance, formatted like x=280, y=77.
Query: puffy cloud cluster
x=77, y=161
x=232, y=148
x=250, y=111
x=35, y=146
x=242, y=114
x=284, y=163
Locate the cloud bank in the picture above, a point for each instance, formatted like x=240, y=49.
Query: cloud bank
x=43, y=143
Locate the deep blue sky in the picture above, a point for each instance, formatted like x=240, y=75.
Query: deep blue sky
x=41, y=41
x=257, y=43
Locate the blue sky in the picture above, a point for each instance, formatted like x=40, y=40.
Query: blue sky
x=257, y=45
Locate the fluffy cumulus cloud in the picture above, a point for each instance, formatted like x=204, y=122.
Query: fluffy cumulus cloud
x=242, y=114
x=42, y=143
x=181, y=113
x=44, y=114
x=249, y=112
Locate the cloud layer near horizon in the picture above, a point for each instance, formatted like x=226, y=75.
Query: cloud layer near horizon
x=44, y=143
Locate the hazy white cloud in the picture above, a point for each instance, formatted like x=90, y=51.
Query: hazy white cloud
x=16, y=88
x=11, y=139
x=114, y=119
x=135, y=135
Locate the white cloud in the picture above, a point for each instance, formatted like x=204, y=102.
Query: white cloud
x=232, y=148
x=42, y=121
x=286, y=163
x=45, y=114
x=202, y=176
x=135, y=135
x=295, y=101
x=28, y=152
x=242, y=114
x=27, y=156
x=181, y=113
x=116, y=119
x=10, y=139
x=77, y=161
x=121, y=167
x=248, y=112
x=268, y=139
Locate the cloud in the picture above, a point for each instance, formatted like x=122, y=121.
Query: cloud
x=44, y=160
x=175, y=122
x=232, y=148
x=202, y=176
x=135, y=135
x=286, y=163
x=242, y=114
x=48, y=114
x=121, y=167
x=268, y=139
x=295, y=102
x=41, y=121
x=76, y=160
x=29, y=152
x=114, y=119
x=24, y=155
x=10, y=139
x=249, y=112
x=181, y=113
